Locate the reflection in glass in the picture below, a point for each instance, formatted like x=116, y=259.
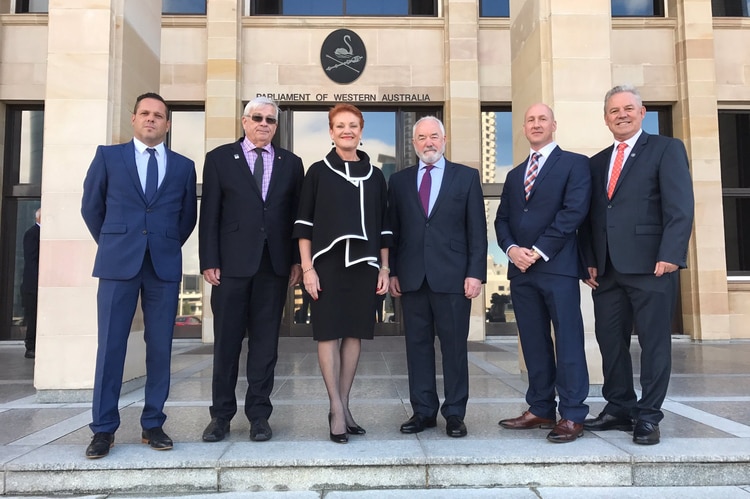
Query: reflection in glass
x=633, y=8
x=498, y=306
x=737, y=233
x=25, y=212
x=32, y=138
x=497, y=146
x=183, y=7
x=32, y=6
x=379, y=8
x=187, y=136
x=494, y=8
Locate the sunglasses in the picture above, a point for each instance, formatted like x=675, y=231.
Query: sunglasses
x=258, y=119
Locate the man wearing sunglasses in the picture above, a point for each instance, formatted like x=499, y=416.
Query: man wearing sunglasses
x=249, y=204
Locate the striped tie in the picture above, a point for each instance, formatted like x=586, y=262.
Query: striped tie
x=531, y=174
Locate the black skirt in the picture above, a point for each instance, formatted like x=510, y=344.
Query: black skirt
x=347, y=301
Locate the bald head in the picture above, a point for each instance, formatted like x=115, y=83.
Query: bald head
x=539, y=125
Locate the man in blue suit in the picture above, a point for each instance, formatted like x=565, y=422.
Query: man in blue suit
x=438, y=265
x=635, y=240
x=139, y=203
x=544, y=201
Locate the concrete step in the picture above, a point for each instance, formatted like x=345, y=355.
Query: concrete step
x=367, y=463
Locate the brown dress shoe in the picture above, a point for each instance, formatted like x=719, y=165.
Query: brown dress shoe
x=565, y=431
x=527, y=421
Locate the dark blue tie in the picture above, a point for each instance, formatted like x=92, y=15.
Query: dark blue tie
x=152, y=175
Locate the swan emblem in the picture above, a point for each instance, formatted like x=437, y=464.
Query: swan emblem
x=343, y=53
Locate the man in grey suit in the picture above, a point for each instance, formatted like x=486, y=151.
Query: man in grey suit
x=438, y=265
x=140, y=206
x=634, y=241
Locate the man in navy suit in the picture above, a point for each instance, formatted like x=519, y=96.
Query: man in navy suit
x=635, y=240
x=140, y=206
x=250, y=197
x=544, y=201
x=30, y=283
x=438, y=265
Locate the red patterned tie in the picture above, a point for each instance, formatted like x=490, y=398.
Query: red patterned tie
x=528, y=183
x=616, y=169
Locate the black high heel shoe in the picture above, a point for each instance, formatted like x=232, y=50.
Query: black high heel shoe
x=355, y=430
x=340, y=438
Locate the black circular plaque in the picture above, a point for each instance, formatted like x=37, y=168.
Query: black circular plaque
x=343, y=56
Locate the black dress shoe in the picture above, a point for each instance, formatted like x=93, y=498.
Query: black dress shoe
x=646, y=433
x=30, y=354
x=260, y=430
x=339, y=438
x=100, y=445
x=604, y=422
x=455, y=427
x=216, y=430
x=355, y=430
x=156, y=438
x=417, y=423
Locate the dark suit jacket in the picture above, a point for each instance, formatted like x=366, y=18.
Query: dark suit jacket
x=235, y=220
x=124, y=225
x=650, y=216
x=30, y=281
x=557, y=205
x=447, y=247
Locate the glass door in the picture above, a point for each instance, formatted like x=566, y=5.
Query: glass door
x=386, y=138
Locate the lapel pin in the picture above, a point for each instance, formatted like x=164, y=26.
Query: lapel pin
x=236, y=156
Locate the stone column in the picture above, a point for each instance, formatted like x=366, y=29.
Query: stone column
x=101, y=56
x=463, y=120
x=705, y=298
x=551, y=38
x=223, y=100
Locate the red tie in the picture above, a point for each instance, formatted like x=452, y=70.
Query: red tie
x=616, y=169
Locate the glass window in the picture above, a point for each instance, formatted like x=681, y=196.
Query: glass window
x=734, y=128
x=183, y=7
x=32, y=6
x=730, y=8
x=22, y=190
x=637, y=8
x=494, y=8
x=187, y=136
x=497, y=145
x=343, y=7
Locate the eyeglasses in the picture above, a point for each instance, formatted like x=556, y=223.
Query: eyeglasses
x=259, y=119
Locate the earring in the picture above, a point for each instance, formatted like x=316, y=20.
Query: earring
x=360, y=143
x=332, y=143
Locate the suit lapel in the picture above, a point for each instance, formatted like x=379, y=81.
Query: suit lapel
x=128, y=159
x=275, y=171
x=448, y=175
x=240, y=161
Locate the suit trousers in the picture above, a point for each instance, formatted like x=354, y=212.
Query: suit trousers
x=427, y=313
x=645, y=302
x=540, y=300
x=116, y=303
x=29, y=302
x=251, y=305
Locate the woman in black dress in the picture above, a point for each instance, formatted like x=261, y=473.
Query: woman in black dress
x=343, y=243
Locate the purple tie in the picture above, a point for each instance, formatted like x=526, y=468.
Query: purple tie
x=424, y=189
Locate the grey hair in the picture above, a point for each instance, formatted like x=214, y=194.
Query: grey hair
x=623, y=88
x=432, y=118
x=259, y=102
